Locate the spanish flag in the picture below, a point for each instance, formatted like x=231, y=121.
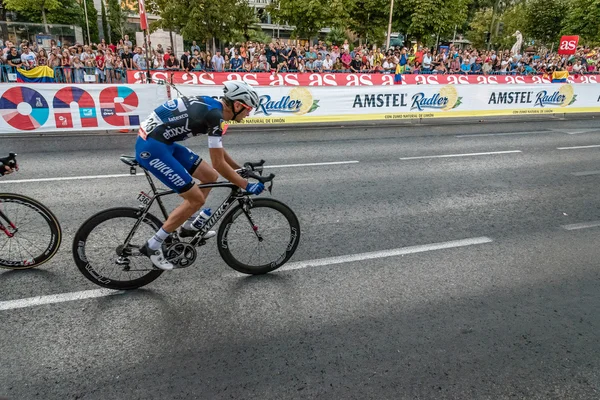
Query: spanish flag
x=43, y=74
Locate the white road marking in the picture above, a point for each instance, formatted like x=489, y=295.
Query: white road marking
x=578, y=147
x=574, y=131
x=462, y=155
x=56, y=298
x=83, y=177
x=582, y=225
x=69, y=178
x=497, y=134
x=385, y=253
x=312, y=164
x=585, y=173
x=88, y=294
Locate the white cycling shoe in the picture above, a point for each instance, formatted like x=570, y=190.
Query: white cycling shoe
x=157, y=257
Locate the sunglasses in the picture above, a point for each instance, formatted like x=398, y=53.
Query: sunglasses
x=246, y=106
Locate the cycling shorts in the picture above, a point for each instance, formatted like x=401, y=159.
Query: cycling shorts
x=173, y=164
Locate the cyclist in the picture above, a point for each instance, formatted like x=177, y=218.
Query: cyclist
x=157, y=150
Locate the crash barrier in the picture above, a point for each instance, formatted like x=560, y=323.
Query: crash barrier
x=64, y=108
x=347, y=79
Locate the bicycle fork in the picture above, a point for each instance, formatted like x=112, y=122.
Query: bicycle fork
x=6, y=229
x=246, y=208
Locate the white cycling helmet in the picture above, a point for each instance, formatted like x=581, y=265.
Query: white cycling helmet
x=242, y=92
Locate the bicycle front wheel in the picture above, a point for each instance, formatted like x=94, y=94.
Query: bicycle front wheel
x=100, y=255
x=30, y=233
x=261, y=247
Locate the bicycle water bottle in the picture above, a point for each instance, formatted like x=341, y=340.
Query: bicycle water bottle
x=201, y=219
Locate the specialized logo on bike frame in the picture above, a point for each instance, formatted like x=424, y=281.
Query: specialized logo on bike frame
x=445, y=100
x=299, y=101
x=564, y=96
x=167, y=171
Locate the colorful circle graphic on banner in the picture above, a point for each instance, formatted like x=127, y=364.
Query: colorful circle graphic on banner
x=109, y=108
x=11, y=99
x=62, y=107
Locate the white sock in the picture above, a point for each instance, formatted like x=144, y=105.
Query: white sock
x=159, y=237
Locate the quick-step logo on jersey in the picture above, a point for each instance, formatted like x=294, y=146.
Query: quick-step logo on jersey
x=168, y=172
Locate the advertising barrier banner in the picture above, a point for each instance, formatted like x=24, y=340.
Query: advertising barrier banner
x=342, y=79
x=320, y=104
x=64, y=108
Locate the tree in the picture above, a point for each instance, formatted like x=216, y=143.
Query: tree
x=368, y=18
x=33, y=5
x=92, y=15
x=581, y=19
x=105, y=24
x=117, y=19
x=545, y=20
x=307, y=17
x=514, y=19
x=68, y=12
x=480, y=24
x=436, y=17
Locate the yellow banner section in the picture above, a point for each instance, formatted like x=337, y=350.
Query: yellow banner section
x=411, y=115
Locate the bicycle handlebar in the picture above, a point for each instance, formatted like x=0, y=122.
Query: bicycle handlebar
x=248, y=171
x=10, y=161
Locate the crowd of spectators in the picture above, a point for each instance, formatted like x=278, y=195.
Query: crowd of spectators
x=108, y=62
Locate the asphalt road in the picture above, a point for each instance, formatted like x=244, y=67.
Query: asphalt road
x=510, y=313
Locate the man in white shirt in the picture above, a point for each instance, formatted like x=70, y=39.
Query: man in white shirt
x=327, y=63
x=426, y=61
x=28, y=57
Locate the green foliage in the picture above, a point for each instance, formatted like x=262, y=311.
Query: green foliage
x=582, y=18
x=478, y=26
x=307, y=16
x=105, y=23
x=117, y=19
x=93, y=21
x=432, y=17
x=544, y=20
x=368, y=19
x=258, y=36
x=336, y=35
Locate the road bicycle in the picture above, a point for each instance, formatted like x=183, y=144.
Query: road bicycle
x=106, y=246
x=30, y=234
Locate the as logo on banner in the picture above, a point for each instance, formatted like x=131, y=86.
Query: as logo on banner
x=445, y=100
x=568, y=45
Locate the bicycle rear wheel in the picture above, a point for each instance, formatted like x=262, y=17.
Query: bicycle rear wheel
x=99, y=253
x=31, y=234
x=241, y=248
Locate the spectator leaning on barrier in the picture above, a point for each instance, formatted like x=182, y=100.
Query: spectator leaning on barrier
x=218, y=62
x=28, y=57
x=184, y=61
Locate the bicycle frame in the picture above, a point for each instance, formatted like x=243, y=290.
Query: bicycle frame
x=234, y=195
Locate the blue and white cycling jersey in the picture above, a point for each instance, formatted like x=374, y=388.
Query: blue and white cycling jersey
x=157, y=149
x=178, y=119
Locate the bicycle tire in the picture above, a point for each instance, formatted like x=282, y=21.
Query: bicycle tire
x=55, y=232
x=233, y=262
x=92, y=272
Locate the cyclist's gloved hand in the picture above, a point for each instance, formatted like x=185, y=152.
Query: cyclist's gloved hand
x=255, y=188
